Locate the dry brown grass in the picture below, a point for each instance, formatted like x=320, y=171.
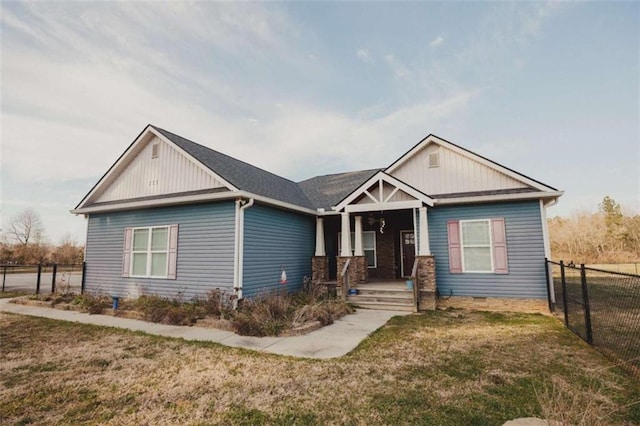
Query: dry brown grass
x=440, y=368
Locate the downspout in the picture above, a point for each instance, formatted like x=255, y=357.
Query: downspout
x=86, y=238
x=241, y=206
x=547, y=245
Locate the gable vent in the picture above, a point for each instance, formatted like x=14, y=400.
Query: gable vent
x=155, y=148
x=434, y=160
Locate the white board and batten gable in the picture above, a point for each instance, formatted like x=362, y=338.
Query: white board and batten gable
x=437, y=167
x=153, y=166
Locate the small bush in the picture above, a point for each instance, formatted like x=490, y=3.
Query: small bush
x=268, y=314
x=265, y=315
x=93, y=304
x=165, y=311
x=218, y=304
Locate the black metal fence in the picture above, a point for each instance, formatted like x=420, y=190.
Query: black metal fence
x=602, y=307
x=43, y=278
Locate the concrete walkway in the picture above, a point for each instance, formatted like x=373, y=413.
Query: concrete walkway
x=331, y=341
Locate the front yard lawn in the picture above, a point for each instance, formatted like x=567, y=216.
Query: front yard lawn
x=440, y=368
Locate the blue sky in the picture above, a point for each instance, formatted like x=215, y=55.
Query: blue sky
x=551, y=89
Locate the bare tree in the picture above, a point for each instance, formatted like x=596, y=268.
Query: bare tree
x=67, y=252
x=26, y=227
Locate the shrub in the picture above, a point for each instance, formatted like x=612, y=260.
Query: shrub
x=265, y=315
x=324, y=311
x=268, y=314
x=218, y=304
x=160, y=310
x=93, y=304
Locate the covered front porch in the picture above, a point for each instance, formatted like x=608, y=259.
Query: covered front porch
x=378, y=236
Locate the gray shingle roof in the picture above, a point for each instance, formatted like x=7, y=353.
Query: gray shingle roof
x=326, y=191
x=243, y=175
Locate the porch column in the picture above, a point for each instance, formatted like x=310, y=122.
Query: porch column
x=320, y=251
x=345, y=241
x=423, y=249
x=358, y=249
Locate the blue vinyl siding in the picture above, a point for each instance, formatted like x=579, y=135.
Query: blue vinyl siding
x=273, y=239
x=525, y=251
x=205, y=250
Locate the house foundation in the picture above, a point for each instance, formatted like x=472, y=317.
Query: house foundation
x=495, y=304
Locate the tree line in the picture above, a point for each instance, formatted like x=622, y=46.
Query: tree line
x=607, y=236
x=24, y=243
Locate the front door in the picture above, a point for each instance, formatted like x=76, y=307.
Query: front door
x=407, y=251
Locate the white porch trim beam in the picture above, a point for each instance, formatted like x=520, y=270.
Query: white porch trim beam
x=396, y=189
x=368, y=194
x=380, y=179
x=398, y=205
x=424, y=249
x=320, y=249
x=358, y=248
x=345, y=235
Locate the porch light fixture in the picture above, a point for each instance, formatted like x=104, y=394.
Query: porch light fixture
x=372, y=221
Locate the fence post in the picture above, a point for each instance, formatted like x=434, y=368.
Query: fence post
x=53, y=280
x=564, y=294
x=84, y=270
x=546, y=272
x=4, y=276
x=38, y=281
x=587, y=309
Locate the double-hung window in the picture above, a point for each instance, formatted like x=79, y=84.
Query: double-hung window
x=477, y=246
x=150, y=252
x=368, y=246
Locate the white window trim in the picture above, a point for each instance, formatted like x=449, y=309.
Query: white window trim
x=375, y=247
x=463, y=246
x=149, y=252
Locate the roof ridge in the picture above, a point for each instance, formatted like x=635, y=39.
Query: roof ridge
x=343, y=173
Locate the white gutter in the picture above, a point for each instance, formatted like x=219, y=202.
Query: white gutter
x=190, y=199
x=283, y=204
x=238, y=260
x=547, y=243
x=156, y=202
x=503, y=197
x=86, y=238
x=547, y=249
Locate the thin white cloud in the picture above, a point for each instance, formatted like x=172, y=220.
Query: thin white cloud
x=400, y=71
x=364, y=56
x=436, y=41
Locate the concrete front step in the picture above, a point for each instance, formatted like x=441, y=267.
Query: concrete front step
x=365, y=291
x=384, y=299
x=385, y=306
x=377, y=298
